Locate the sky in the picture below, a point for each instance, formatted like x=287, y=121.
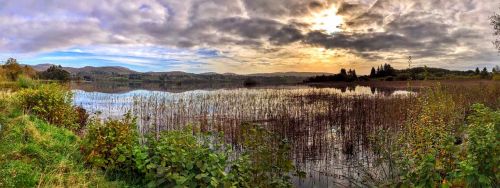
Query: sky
x=249, y=36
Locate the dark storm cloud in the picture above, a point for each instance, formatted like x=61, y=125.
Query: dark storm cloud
x=286, y=35
x=361, y=42
x=248, y=28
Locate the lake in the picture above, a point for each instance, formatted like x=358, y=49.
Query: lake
x=328, y=128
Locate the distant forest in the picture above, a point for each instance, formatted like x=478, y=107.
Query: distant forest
x=387, y=73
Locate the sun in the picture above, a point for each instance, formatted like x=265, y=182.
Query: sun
x=327, y=20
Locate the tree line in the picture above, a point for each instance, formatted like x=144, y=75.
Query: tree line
x=388, y=73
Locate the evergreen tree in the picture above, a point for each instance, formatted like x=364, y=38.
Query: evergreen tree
x=354, y=74
x=484, y=73
x=373, y=73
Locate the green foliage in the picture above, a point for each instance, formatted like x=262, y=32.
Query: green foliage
x=268, y=161
x=50, y=102
x=109, y=145
x=480, y=167
x=179, y=158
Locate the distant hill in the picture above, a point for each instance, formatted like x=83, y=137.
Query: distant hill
x=116, y=73
x=108, y=69
x=126, y=71
x=41, y=67
x=88, y=69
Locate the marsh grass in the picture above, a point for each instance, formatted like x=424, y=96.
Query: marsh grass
x=331, y=133
x=326, y=129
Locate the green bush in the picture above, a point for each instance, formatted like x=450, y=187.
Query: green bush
x=179, y=158
x=481, y=165
x=109, y=145
x=50, y=102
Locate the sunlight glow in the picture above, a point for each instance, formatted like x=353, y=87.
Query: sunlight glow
x=327, y=20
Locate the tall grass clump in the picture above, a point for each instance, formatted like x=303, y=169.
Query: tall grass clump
x=34, y=153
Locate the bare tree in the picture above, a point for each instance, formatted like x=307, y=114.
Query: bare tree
x=495, y=22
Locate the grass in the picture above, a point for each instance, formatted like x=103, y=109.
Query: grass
x=34, y=153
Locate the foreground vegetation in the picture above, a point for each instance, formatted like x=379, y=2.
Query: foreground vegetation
x=35, y=153
x=42, y=144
